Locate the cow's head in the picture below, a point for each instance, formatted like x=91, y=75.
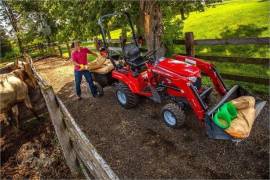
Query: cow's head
x=25, y=74
x=29, y=72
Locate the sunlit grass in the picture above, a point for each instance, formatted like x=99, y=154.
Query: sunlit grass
x=229, y=17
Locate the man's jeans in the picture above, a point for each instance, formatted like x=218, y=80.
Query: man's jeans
x=88, y=77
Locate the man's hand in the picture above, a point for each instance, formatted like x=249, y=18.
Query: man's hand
x=95, y=54
x=83, y=67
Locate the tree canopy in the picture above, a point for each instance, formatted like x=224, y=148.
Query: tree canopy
x=30, y=22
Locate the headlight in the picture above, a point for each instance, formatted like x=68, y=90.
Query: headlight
x=192, y=79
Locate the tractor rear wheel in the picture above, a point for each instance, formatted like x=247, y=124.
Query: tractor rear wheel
x=102, y=79
x=125, y=97
x=173, y=115
x=99, y=89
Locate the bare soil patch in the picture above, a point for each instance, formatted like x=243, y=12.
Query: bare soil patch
x=33, y=152
x=136, y=143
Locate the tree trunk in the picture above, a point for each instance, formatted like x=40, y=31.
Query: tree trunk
x=69, y=50
x=182, y=12
x=140, y=24
x=13, y=22
x=153, y=22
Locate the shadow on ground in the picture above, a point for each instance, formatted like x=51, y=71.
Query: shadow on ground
x=136, y=143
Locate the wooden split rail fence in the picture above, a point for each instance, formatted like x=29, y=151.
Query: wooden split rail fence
x=79, y=153
x=190, y=44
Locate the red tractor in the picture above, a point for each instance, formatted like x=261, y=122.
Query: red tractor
x=177, y=80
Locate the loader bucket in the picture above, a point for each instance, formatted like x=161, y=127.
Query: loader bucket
x=215, y=132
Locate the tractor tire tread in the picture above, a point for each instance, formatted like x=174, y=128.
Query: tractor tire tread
x=178, y=113
x=132, y=99
x=99, y=89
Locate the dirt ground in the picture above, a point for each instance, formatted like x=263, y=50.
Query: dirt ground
x=136, y=144
x=33, y=151
x=32, y=154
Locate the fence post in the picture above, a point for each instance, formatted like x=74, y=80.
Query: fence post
x=189, y=43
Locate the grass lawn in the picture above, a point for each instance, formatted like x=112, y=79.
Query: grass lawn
x=234, y=18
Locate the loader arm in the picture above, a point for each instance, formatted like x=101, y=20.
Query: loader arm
x=208, y=69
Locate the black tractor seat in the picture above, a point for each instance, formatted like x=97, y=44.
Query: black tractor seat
x=133, y=55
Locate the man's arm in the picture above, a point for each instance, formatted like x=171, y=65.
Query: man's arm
x=91, y=52
x=75, y=63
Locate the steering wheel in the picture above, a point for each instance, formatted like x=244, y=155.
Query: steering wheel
x=149, y=54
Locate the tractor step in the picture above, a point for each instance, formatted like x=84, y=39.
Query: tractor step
x=155, y=95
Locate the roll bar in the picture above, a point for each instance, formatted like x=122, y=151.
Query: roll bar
x=100, y=23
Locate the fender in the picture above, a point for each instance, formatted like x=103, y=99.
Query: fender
x=136, y=85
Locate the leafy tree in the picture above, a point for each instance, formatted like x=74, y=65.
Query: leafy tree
x=161, y=17
x=8, y=15
x=5, y=45
x=37, y=21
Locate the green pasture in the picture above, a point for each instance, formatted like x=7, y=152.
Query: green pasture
x=233, y=19
x=238, y=18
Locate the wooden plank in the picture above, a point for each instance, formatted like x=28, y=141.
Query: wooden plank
x=238, y=60
x=57, y=120
x=249, y=79
x=86, y=150
x=256, y=80
x=234, y=41
x=85, y=170
x=56, y=117
x=83, y=154
x=179, y=41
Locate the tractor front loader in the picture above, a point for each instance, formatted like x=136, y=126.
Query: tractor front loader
x=176, y=80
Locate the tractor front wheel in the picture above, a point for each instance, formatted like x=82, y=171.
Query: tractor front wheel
x=173, y=116
x=125, y=97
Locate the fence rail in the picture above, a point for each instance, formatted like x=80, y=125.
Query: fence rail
x=257, y=80
x=231, y=41
x=80, y=154
x=237, y=60
x=190, y=44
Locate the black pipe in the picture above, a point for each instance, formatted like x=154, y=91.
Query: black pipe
x=198, y=97
x=225, y=98
x=132, y=28
x=170, y=87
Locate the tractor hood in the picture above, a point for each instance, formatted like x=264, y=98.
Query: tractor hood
x=178, y=67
